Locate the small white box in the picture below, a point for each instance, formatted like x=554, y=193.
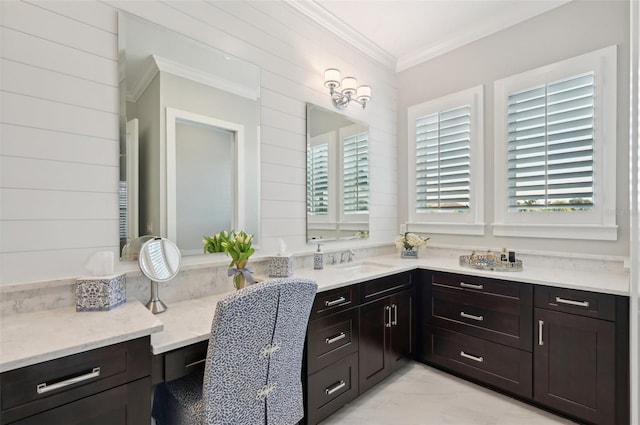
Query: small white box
x=281, y=266
x=100, y=293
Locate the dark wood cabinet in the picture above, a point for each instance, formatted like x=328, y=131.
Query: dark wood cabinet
x=479, y=328
x=386, y=337
x=331, y=355
x=578, y=366
x=110, y=385
x=562, y=349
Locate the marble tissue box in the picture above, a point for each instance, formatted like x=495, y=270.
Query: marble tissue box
x=100, y=293
x=281, y=266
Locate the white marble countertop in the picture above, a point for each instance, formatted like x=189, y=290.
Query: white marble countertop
x=31, y=338
x=188, y=322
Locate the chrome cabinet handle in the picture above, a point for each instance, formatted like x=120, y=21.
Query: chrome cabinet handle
x=471, y=316
x=470, y=357
x=340, y=385
x=471, y=285
x=45, y=388
x=540, y=325
x=334, y=302
x=572, y=302
x=387, y=324
x=395, y=314
x=197, y=362
x=333, y=339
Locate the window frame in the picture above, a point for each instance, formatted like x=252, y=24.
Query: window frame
x=598, y=223
x=470, y=222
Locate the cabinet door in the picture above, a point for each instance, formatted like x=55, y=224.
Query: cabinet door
x=401, y=340
x=574, y=365
x=375, y=321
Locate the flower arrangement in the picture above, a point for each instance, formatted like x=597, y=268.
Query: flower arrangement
x=236, y=245
x=410, y=241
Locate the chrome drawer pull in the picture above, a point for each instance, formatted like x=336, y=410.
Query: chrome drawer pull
x=395, y=314
x=387, y=323
x=471, y=285
x=572, y=302
x=540, y=325
x=340, y=385
x=197, y=362
x=45, y=388
x=333, y=339
x=334, y=302
x=470, y=357
x=471, y=316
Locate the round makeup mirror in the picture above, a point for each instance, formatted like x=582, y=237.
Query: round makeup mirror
x=159, y=260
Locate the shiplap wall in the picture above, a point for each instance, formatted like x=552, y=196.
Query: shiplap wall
x=59, y=122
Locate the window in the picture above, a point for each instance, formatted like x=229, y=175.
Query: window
x=318, y=179
x=555, y=150
x=446, y=163
x=355, y=178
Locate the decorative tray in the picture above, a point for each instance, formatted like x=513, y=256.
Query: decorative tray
x=489, y=262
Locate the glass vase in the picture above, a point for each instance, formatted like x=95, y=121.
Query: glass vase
x=239, y=281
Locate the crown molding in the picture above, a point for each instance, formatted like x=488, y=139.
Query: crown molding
x=334, y=25
x=160, y=64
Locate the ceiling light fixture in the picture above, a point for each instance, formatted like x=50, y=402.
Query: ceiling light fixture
x=350, y=91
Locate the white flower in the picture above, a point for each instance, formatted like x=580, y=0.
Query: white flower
x=410, y=241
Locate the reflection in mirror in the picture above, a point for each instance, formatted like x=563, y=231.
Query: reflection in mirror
x=189, y=150
x=337, y=176
x=159, y=260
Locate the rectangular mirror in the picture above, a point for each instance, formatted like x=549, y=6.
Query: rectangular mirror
x=189, y=138
x=337, y=176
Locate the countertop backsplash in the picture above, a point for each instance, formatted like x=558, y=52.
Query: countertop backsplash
x=195, y=282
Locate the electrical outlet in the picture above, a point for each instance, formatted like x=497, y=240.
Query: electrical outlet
x=403, y=228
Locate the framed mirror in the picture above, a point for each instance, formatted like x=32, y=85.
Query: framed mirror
x=189, y=137
x=337, y=176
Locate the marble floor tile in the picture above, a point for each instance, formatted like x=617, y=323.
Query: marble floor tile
x=421, y=395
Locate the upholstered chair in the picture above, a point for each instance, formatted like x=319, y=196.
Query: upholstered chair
x=253, y=369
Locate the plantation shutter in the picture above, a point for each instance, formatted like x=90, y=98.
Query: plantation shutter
x=122, y=202
x=356, y=174
x=550, y=146
x=318, y=179
x=443, y=161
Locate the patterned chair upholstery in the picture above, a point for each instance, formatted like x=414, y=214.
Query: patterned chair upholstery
x=253, y=369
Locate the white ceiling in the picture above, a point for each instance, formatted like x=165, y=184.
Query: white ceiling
x=403, y=33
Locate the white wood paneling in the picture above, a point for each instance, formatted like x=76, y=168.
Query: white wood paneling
x=61, y=146
x=28, y=173
x=41, y=83
x=47, y=235
x=20, y=204
x=59, y=121
x=35, y=51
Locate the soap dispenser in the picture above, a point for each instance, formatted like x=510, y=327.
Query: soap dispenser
x=318, y=259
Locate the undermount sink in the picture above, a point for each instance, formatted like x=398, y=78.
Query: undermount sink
x=363, y=267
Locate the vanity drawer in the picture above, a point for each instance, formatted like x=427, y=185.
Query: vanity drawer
x=183, y=361
x=384, y=286
x=482, y=285
x=582, y=303
x=494, y=364
x=331, y=338
x=497, y=319
x=333, y=301
x=331, y=388
x=46, y=385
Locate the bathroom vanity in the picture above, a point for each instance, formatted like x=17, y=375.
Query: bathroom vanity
x=527, y=334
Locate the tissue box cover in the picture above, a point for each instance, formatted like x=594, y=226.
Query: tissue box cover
x=281, y=266
x=100, y=293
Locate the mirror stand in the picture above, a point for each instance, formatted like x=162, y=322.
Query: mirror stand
x=155, y=305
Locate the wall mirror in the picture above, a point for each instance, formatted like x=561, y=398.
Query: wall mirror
x=337, y=176
x=189, y=137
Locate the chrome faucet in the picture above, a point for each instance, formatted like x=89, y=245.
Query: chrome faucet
x=350, y=256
